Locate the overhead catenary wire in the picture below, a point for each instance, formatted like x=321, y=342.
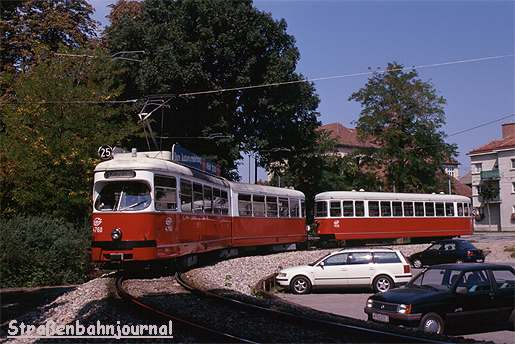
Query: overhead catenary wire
x=280, y=83
x=482, y=125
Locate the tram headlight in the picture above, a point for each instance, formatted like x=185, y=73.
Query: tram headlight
x=116, y=234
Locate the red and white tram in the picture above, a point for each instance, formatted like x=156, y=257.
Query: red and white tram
x=147, y=207
x=351, y=215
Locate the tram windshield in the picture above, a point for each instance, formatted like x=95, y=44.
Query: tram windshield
x=123, y=196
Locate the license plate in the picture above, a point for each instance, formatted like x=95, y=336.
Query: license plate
x=380, y=317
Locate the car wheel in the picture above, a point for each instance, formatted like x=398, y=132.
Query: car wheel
x=300, y=285
x=432, y=323
x=417, y=263
x=382, y=284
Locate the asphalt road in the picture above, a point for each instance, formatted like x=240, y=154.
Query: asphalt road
x=351, y=302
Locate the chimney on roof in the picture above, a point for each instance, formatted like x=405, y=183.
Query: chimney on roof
x=508, y=129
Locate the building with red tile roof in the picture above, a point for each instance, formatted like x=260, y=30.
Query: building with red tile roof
x=494, y=163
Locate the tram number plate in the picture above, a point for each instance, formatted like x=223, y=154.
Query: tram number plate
x=380, y=317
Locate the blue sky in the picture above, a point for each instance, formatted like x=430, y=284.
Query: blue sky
x=341, y=37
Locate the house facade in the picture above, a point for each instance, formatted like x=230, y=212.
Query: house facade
x=493, y=168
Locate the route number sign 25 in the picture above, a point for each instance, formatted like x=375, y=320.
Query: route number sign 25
x=105, y=152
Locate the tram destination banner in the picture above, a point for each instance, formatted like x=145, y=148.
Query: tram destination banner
x=186, y=157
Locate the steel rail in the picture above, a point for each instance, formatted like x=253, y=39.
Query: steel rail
x=373, y=335
x=212, y=334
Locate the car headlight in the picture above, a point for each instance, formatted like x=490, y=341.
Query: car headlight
x=281, y=274
x=370, y=303
x=404, y=309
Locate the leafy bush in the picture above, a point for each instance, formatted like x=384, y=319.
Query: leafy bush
x=36, y=251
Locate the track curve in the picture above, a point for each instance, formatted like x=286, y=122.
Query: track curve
x=208, y=333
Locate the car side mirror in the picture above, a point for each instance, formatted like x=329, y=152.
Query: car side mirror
x=321, y=264
x=461, y=290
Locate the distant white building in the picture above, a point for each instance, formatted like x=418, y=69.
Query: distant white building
x=495, y=163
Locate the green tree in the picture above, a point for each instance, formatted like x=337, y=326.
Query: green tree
x=50, y=140
x=29, y=27
x=210, y=45
x=403, y=116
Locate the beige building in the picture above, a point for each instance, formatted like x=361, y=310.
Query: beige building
x=494, y=163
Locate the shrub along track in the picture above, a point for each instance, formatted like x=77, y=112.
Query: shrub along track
x=224, y=316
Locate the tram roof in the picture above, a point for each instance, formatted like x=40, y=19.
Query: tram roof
x=388, y=196
x=265, y=190
x=154, y=161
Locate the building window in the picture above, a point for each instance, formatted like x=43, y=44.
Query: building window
x=475, y=190
x=513, y=163
x=477, y=168
x=513, y=187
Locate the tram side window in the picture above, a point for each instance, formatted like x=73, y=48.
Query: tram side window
x=294, y=207
x=466, y=208
x=258, y=204
x=360, y=208
x=408, y=208
x=271, y=206
x=460, y=209
x=208, y=199
x=224, y=202
x=217, y=200
x=335, y=209
x=373, y=208
x=244, y=205
x=186, y=195
x=321, y=209
x=449, y=209
x=430, y=209
x=386, y=208
x=302, y=208
x=397, y=208
x=440, y=211
x=283, y=207
x=419, y=209
x=348, y=208
x=165, y=193
x=198, y=198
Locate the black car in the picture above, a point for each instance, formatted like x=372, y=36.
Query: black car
x=454, y=297
x=447, y=251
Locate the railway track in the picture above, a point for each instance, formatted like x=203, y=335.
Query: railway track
x=200, y=330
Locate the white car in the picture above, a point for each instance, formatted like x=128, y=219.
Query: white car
x=379, y=268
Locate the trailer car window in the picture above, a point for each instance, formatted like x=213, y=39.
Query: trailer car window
x=360, y=208
x=408, y=208
x=283, y=207
x=321, y=209
x=449, y=209
x=294, y=207
x=302, y=208
x=348, y=208
x=244, y=205
x=335, y=209
x=460, y=209
x=397, y=208
x=466, y=208
x=271, y=206
x=165, y=193
x=386, y=208
x=430, y=209
x=373, y=208
x=419, y=209
x=258, y=205
x=440, y=211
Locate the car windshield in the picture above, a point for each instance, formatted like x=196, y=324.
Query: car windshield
x=123, y=196
x=436, y=279
x=319, y=260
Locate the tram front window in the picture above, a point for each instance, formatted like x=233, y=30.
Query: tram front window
x=123, y=196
